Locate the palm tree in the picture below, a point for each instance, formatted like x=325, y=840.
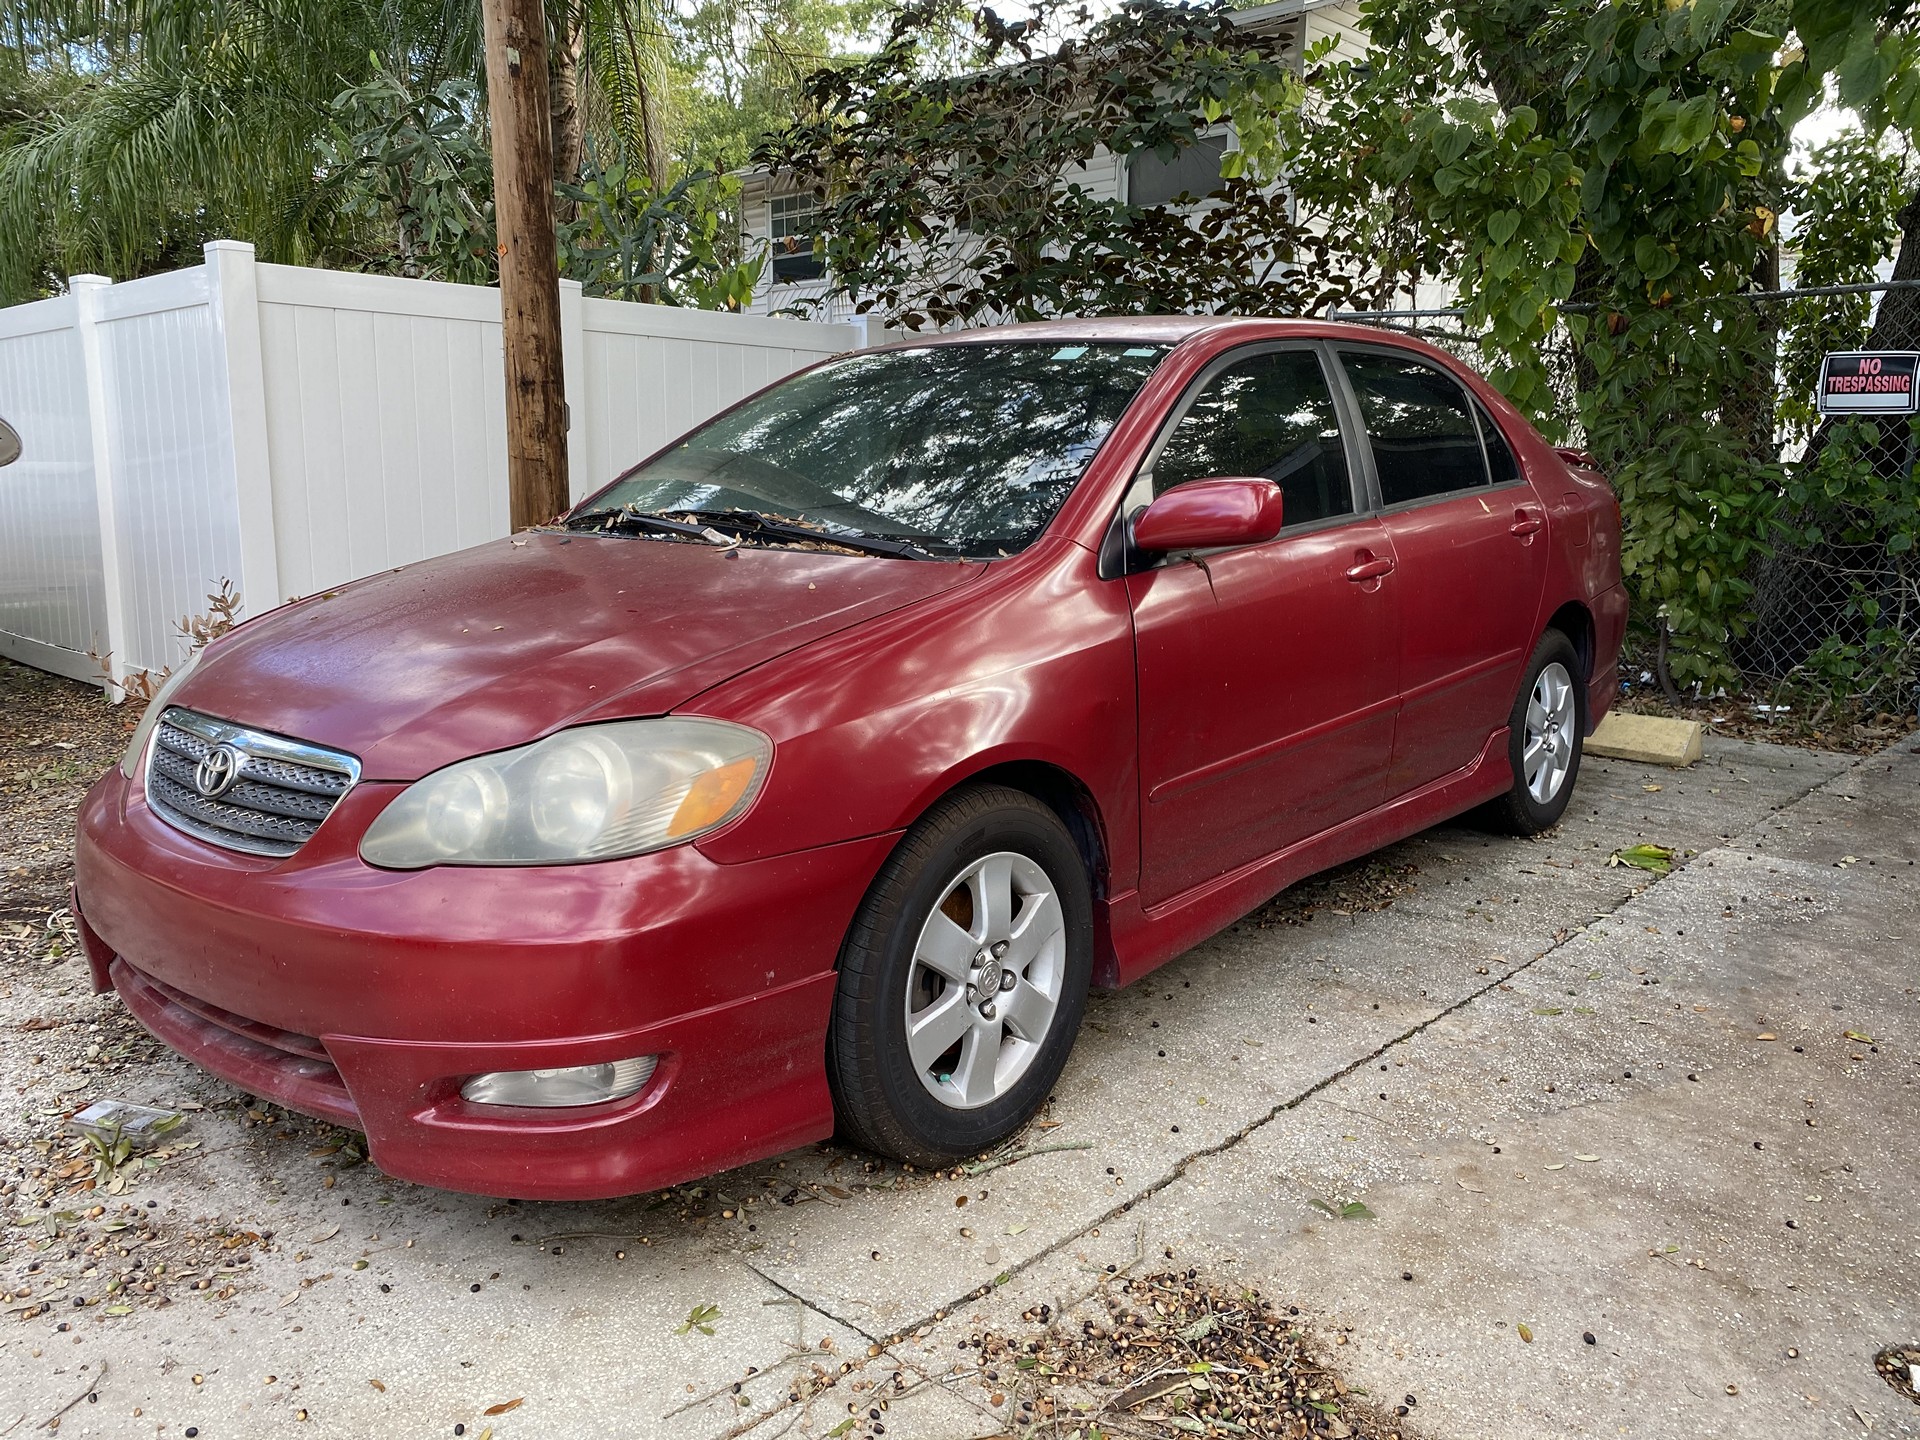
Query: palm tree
x=620, y=53
x=133, y=129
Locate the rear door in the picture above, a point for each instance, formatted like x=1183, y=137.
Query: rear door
x=1470, y=544
x=1267, y=672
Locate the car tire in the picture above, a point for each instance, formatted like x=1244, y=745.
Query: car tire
x=963, y=980
x=1545, y=732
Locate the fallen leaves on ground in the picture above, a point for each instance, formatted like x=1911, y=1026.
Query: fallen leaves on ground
x=1899, y=1366
x=1656, y=858
x=701, y=1318
x=1809, y=722
x=1351, y=1210
x=1169, y=1355
x=1365, y=885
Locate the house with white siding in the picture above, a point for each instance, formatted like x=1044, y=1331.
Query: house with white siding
x=777, y=212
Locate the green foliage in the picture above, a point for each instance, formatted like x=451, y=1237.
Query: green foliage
x=1867, y=51
x=955, y=199
x=629, y=242
x=1609, y=173
x=354, y=135
x=416, y=163
x=176, y=122
x=1846, y=207
x=1859, y=498
x=741, y=64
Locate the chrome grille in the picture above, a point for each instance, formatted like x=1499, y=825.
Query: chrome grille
x=280, y=792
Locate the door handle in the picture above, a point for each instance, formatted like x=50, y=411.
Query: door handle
x=1524, y=524
x=1369, y=567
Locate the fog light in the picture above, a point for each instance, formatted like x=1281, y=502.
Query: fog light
x=568, y=1085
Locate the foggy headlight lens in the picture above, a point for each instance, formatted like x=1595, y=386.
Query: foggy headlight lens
x=594, y=793
x=461, y=806
x=576, y=786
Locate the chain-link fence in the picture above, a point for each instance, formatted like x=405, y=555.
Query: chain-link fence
x=1836, y=588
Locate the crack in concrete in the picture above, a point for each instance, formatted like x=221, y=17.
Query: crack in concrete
x=1179, y=1170
x=1181, y=1167
x=813, y=1305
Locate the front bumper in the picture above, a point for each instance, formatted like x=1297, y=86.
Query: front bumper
x=367, y=997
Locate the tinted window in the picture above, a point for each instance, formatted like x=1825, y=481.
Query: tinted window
x=1269, y=415
x=1499, y=455
x=969, y=448
x=1420, y=425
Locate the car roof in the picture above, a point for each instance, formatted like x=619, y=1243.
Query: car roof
x=1142, y=329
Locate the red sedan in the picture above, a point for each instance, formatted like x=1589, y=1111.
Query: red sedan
x=811, y=773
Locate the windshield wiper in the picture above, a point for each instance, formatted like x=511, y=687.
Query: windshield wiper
x=749, y=523
x=623, y=517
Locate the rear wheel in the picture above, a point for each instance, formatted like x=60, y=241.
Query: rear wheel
x=962, y=981
x=1544, y=740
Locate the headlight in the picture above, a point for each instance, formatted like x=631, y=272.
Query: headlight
x=594, y=793
x=162, y=698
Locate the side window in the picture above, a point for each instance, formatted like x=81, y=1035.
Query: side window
x=1271, y=416
x=1420, y=424
x=1500, y=460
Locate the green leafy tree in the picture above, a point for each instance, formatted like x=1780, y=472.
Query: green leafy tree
x=742, y=65
x=960, y=198
x=1846, y=207
x=1868, y=53
x=345, y=134
x=631, y=242
x=222, y=114
x=415, y=168
x=1603, y=182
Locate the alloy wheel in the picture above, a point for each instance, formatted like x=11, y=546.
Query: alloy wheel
x=1551, y=723
x=986, y=980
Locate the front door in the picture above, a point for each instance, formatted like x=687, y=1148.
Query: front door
x=1268, y=673
x=1469, y=540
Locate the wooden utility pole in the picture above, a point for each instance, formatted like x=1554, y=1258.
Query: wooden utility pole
x=520, y=114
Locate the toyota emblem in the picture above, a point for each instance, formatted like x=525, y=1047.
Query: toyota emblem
x=217, y=771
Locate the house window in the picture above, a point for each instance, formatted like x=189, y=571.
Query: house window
x=796, y=220
x=1194, y=171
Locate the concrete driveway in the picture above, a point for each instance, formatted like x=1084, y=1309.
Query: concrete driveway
x=1672, y=1114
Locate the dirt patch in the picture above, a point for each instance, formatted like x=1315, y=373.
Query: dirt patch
x=1169, y=1355
x=1362, y=886
x=57, y=737
x=1809, y=722
x=1899, y=1366
x=80, y=1232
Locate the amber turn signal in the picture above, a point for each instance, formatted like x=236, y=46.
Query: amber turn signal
x=711, y=796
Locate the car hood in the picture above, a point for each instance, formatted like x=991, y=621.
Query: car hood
x=496, y=646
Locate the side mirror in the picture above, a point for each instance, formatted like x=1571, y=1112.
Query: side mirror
x=9, y=444
x=1206, y=514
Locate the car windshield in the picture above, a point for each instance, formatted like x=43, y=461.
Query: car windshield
x=959, y=449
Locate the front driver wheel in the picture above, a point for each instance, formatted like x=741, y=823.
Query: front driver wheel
x=1544, y=739
x=962, y=981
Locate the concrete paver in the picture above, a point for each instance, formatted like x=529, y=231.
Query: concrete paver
x=1273, y=1042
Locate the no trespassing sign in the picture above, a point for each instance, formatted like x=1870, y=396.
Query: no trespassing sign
x=1868, y=383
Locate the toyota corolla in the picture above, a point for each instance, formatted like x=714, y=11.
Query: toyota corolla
x=807, y=776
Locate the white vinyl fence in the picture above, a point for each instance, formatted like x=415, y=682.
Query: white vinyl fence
x=288, y=429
